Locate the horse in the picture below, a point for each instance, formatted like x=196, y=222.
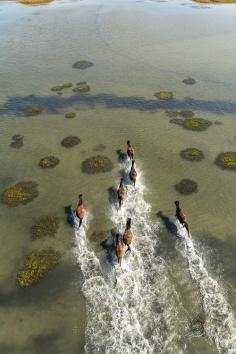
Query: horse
x=80, y=210
x=119, y=249
x=133, y=174
x=181, y=217
x=128, y=235
x=130, y=150
x=121, y=193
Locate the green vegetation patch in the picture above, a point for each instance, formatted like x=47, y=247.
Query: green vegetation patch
x=186, y=186
x=33, y=111
x=70, y=115
x=82, y=64
x=196, y=124
x=70, y=141
x=189, y=81
x=97, y=164
x=164, y=95
x=49, y=162
x=59, y=88
x=20, y=193
x=192, y=154
x=46, y=226
x=81, y=87
x=36, y=266
x=226, y=160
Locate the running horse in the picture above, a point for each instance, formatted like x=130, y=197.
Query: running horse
x=130, y=150
x=119, y=249
x=80, y=210
x=121, y=193
x=128, y=235
x=133, y=174
x=181, y=217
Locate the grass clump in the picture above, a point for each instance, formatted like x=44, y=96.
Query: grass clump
x=189, y=81
x=81, y=87
x=33, y=111
x=186, y=186
x=82, y=64
x=46, y=226
x=17, y=141
x=192, y=154
x=164, y=95
x=226, y=160
x=20, y=193
x=96, y=164
x=49, y=162
x=36, y=266
x=70, y=115
x=196, y=124
x=70, y=141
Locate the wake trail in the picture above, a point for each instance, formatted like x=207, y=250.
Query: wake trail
x=132, y=308
x=220, y=325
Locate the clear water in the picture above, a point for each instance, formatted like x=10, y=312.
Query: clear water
x=138, y=48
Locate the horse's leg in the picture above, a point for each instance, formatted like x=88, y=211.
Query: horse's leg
x=80, y=222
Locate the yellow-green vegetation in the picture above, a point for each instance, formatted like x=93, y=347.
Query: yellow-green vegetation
x=82, y=64
x=70, y=141
x=33, y=110
x=69, y=115
x=164, y=95
x=186, y=186
x=49, y=162
x=96, y=164
x=46, y=226
x=81, y=87
x=36, y=266
x=226, y=160
x=59, y=88
x=196, y=124
x=34, y=2
x=192, y=154
x=20, y=193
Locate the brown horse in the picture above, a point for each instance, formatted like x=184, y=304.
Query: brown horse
x=121, y=193
x=119, y=249
x=133, y=174
x=128, y=235
x=181, y=217
x=80, y=210
x=130, y=150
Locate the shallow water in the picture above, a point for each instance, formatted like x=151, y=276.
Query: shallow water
x=138, y=48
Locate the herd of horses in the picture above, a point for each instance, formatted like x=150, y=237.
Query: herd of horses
x=127, y=237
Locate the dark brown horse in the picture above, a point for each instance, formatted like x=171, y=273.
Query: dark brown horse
x=121, y=193
x=181, y=217
x=130, y=150
x=133, y=174
x=119, y=249
x=80, y=210
x=128, y=235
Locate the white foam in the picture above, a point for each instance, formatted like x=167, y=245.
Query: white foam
x=220, y=322
x=132, y=308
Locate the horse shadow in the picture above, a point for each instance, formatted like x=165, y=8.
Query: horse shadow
x=112, y=195
x=170, y=226
x=121, y=156
x=69, y=212
x=109, y=245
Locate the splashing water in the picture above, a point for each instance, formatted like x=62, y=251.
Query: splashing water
x=220, y=323
x=138, y=312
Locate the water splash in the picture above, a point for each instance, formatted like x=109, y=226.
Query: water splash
x=220, y=323
x=132, y=308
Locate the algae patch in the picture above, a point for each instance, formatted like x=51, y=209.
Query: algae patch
x=70, y=141
x=186, y=186
x=82, y=64
x=46, y=226
x=49, y=162
x=192, y=154
x=164, y=95
x=226, y=160
x=20, y=193
x=97, y=164
x=70, y=115
x=36, y=266
x=33, y=111
x=196, y=124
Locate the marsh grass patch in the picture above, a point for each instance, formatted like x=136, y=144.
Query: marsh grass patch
x=97, y=164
